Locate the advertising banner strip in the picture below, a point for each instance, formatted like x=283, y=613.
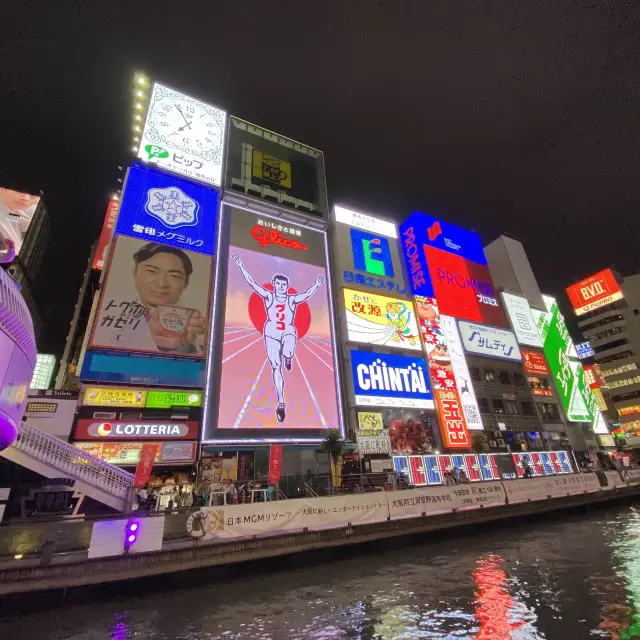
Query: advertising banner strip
x=594, y=292
x=453, y=427
x=100, y=255
x=489, y=341
x=184, y=136
x=91, y=429
x=379, y=320
x=158, y=207
x=145, y=464
x=275, y=463
x=386, y=380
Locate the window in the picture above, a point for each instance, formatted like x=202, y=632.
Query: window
x=498, y=406
x=549, y=412
x=518, y=379
x=632, y=395
x=527, y=408
x=489, y=375
x=511, y=407
x=621, y=369
x=611, y=345
x=474, y=372
x=616, y=357
x=483, y=404
x=504, y=376
x=604, y=322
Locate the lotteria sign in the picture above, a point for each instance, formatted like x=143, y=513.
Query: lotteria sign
x=88, y=429
x=596, y=291
x=448, y=263
x=385, y=380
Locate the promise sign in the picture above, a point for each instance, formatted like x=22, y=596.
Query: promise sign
x=594, y=292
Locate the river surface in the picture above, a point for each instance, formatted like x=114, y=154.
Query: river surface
x=567, y=577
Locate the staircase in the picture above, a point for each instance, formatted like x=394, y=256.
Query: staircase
x=52, y=458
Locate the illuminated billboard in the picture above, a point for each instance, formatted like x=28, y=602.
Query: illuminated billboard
x=524, y=326
x=367, y=253
x=447, y=263
x=183, y=135
x=155, y=299
x=385, y=380
x=584, y=350
x=43, y=371
x=489, y=341
x=158, y=207
x=128, y=453
x=409, y=430
x=164, y=429
x=594, y=292
x=278, y=360
x=100, y=255
x=534, y=362
x=453, y=426
x=142, y=398
x=382, y=321
x=16, y=212
x=266, y=165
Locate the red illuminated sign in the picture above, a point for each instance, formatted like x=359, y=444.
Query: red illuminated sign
x=105, y=235
x=271, y=236
x=594, y=292
x=590, y=377
x=463, y=289
x=93, y=429
x=454, y=431
x=534, y=362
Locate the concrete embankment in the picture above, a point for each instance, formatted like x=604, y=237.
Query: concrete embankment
x=181, y=552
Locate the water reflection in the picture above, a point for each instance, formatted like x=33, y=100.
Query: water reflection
x=573, y=578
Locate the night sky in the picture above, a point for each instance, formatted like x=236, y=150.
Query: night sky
x=517, y=117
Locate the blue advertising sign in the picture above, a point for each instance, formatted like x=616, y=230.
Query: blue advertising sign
x=162, y=208
x=420, y=231
x=384, y=380
x=584, y=350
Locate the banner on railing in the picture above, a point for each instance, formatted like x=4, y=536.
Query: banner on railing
x=485, y=494
x=145, y=464
x=613, y=480
x=631, y=476
x=263, y=518
x=416, y=502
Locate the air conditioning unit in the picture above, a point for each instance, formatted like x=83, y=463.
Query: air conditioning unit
x=501, y=442
x=492, y=444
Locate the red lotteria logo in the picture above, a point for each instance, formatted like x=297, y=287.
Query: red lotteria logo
x=434, y=231
x=104, y=429
x=271, y=236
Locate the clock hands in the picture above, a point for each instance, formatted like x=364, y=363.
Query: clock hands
x=187, y=124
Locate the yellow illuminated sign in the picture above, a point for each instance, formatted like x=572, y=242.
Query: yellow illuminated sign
x=100, y=397
x=271, y=169
x=370, y=423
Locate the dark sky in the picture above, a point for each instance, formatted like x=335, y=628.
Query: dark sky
x=518, y=117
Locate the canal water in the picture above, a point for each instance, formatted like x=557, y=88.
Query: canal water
x=565, y=577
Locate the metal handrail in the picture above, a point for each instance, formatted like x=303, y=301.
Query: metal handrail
x=72, y=461
x=310, y=493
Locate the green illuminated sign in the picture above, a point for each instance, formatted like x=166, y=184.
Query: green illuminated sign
x=169, y=399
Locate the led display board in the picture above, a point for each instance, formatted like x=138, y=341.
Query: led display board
x=461, y=372
x=100, y=256
x=43, y=371
x=171, y=398
x=16, y=214
x=524, y=326
x=158, y=207
x=142, y=398
x=448, y=263
x=584, y=350
x=184, y=136
x=278, y=361
x=409, y=430
x=379, y=320
x=535, y=362
x=155, y=299
x=91, y=429
x=386, y=380
x=266, y=165
x=594, y=292
x=367, y=253
x=453, y=427
x=489, y=341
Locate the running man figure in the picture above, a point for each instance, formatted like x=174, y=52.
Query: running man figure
x=280, y=335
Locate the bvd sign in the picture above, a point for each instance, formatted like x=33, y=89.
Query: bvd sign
x=594, y=292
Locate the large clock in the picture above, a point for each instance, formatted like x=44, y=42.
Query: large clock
x=184, y=135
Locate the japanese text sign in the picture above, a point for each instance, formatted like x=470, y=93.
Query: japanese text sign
x=489, y=341
x=594, y=292
x=534, y=362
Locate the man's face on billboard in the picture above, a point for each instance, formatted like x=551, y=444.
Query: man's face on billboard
x=280, y=286
x=160, y=280
x=16, y=201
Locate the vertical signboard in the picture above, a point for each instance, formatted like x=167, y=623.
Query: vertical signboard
x=267, y=165
x=367, y=253
x=522, y=321
x=100, y=255
x=184, y=136
x=453, y=427
x=447, y=263
x=275, y=463
x=594, y=292
x=279, y=378
x=145, y=464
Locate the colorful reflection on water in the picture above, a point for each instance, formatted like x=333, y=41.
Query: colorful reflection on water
x=567, y=577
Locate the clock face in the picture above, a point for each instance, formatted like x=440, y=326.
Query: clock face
x=184, y=135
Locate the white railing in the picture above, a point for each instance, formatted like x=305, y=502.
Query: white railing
x=15, y=319
x=73, y=462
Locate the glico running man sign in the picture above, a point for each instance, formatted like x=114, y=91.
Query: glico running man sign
x=278, y=364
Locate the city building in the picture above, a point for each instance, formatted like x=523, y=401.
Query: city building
x=608, y=312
